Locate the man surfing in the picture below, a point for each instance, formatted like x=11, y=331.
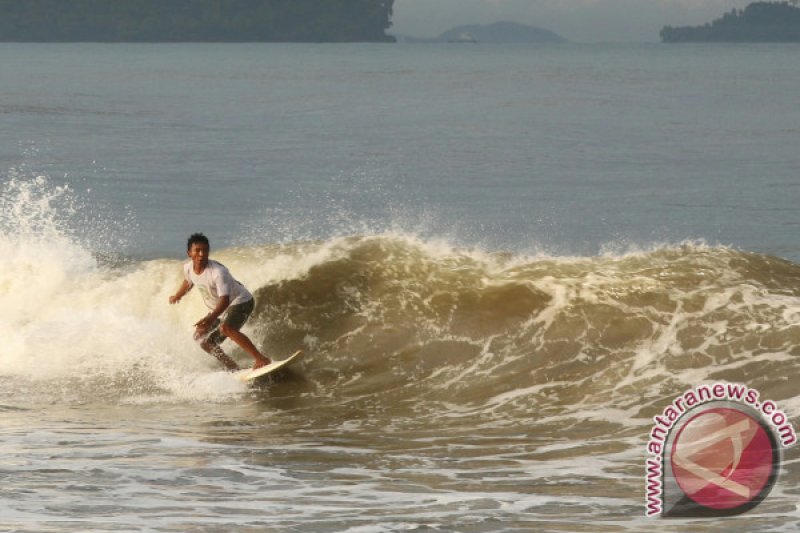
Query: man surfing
x=224, y=296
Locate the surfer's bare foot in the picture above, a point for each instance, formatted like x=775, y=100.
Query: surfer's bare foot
x=264, y=361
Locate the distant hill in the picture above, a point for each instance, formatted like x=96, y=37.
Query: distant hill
x=498, y=32
x=502, y=32
x=195, y=20
x=759, y=22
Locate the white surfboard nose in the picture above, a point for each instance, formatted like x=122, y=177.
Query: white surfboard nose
x=250, y=375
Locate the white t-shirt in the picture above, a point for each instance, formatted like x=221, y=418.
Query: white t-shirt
x=216, y=281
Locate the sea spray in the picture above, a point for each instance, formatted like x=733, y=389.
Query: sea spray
x=70, y=322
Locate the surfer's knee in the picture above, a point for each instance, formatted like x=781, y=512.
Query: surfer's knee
x=226, y=329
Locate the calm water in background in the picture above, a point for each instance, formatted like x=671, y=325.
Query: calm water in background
x=569, y=148
x=492, y=255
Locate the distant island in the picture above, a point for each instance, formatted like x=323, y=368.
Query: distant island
x=759, y=22
x=195, y=20
x=498, y=32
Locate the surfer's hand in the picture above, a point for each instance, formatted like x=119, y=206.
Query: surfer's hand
x=203, y=324
x=182, y=290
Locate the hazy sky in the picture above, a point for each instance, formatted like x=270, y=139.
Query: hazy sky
x=576, y=20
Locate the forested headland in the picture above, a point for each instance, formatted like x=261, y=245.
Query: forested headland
x=195, y=20
x=759, y=22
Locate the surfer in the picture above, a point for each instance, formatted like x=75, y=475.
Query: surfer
x=223, y=295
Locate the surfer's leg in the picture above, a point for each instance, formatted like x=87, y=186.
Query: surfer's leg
x=210, y=341
x=221, y=356
x=245, y=344
x=235, y=318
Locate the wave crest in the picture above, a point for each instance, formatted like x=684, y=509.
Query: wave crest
x=471, y=327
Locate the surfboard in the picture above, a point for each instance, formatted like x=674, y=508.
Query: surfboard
x=250, y=375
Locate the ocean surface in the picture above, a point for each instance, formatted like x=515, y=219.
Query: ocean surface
x=501, y=262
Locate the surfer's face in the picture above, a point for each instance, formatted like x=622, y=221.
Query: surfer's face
x=198, y=253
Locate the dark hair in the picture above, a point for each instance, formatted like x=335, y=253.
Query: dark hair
x=196, y=238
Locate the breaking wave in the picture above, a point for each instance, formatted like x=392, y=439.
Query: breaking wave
x=394, y=320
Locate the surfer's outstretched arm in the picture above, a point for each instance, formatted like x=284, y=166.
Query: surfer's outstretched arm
x=182, y=290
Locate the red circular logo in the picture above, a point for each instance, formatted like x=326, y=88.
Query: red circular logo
x=722, y=458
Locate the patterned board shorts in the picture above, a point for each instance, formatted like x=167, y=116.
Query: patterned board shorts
x=234, y=317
